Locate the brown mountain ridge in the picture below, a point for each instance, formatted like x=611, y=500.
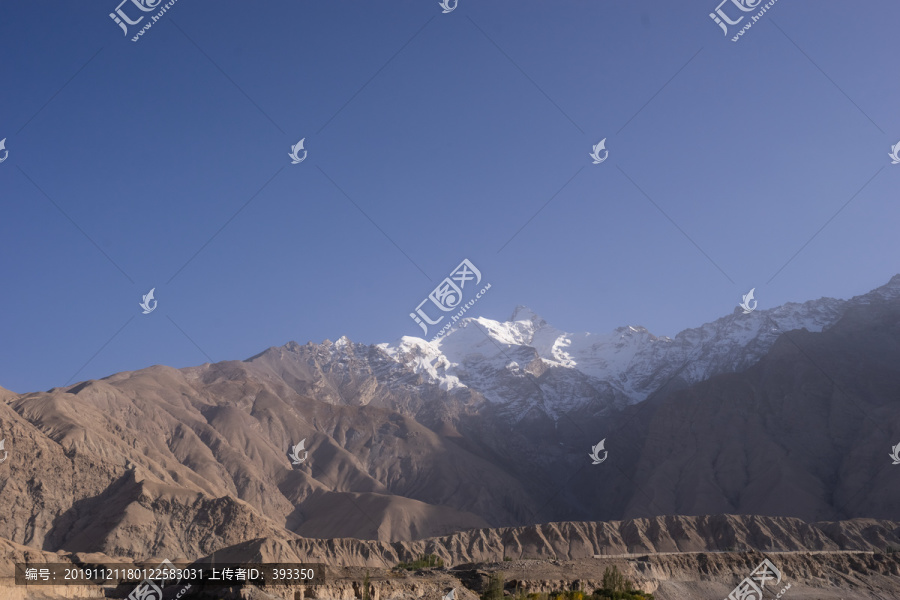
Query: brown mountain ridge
x=187, y=462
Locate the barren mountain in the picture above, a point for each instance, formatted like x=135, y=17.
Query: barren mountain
x=574, y=540
x=185, y=462
x=191, y=459
x=804, y=432
x=671, y=557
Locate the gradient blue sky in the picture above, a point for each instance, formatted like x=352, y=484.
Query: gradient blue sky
x=450, y=131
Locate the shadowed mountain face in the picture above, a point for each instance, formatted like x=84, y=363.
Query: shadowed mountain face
x=806, y=432
x=184, y=462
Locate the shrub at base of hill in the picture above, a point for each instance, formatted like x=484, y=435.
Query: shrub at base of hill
x=615, y=587
x=427, y=561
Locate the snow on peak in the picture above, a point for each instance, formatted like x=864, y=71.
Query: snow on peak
x=523, y=313
x=423, y=358
x=525, y=362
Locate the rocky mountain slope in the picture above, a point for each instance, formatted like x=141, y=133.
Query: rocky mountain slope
x=671, y=557
x=186, y=462
x=577, y=540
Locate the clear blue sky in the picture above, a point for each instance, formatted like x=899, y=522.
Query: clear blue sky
x=451, y=132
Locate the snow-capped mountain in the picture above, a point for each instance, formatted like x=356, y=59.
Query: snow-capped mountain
x=525, y=367
x=526, y=364
x=493, y=425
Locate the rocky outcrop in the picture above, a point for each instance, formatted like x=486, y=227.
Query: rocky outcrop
x=573, y=541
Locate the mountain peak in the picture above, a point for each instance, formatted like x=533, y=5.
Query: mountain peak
x=892, y=285
x=523, y=313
